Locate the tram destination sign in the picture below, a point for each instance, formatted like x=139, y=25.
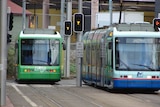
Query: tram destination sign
x=79, y=49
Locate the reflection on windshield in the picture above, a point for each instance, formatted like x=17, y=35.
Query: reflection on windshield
x=137, y=54
x=40, y=52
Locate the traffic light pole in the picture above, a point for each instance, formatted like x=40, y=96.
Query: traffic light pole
x=24, y=15
x=110, y=11
x=0, y=46
x=45, y=13
x=67, y=55
x=3, y=50
x=79, y=59
x=62, y=17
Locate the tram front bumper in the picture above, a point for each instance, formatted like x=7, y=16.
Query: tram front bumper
x=137, y=83
x=39, y=76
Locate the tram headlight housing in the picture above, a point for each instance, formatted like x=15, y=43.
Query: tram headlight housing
x=111, y=34
x=52, y=70
x=27, y=70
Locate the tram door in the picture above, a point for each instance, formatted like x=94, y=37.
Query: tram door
x=99, y=59
x=109, y=63
x=85, y=66
x=89, y=55
x=93, y=58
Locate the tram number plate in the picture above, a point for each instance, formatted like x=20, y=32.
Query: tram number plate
x=79, y=49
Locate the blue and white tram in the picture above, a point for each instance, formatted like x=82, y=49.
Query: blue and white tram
x=125, y=56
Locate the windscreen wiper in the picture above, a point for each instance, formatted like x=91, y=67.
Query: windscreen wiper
x=145, y=66
x=128, y=68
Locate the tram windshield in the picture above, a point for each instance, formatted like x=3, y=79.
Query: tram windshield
x=40, y=52
x=137, y=53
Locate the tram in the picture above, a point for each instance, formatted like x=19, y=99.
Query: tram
x=38, y=55
x=122, y=56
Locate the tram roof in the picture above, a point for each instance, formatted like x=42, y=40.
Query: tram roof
x=135, y=27
x=136, y=34
x=39, y=33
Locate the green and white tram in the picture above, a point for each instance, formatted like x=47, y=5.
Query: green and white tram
x=38, y=55
x=123, y=56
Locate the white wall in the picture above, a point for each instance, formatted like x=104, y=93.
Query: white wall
x=103, y=18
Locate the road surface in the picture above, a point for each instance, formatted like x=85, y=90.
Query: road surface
x=66, y=94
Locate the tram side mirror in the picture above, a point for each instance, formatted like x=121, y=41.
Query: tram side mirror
x=64, y=45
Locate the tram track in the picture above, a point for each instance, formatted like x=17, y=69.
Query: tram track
x=44, y=96
x=82, y=97
x=68, y=95
x=31, y=96
x=153, y=98
x=72, y=96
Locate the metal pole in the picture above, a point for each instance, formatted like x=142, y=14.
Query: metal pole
x=24, y=15
x=69, y=17
x=120, y=13
x=79, y=60
x=0, y=47
x=94, y=11
x=157, y=9
x=3, y=48
x=45, y=13
x=62, y=27
x=110, y=11
x=62, y=17
x=35, y=21
x=80, y=11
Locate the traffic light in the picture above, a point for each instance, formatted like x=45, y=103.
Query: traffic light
x=68, y=28
x=9, y=36
x=78, y=22
x=156, y=23
x=11, y=21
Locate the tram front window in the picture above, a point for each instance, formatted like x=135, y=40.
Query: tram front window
x=40, y=52
x=137, y=53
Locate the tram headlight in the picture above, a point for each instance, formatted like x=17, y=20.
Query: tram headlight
x=27, y=70
x=52, y=70
x=129, y=76
x=111, y=34
x=149, y=77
